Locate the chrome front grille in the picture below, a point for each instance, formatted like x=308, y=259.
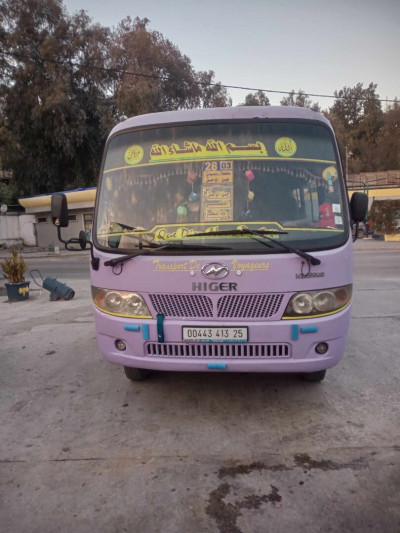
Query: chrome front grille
x=218, y=350
x=227, y=306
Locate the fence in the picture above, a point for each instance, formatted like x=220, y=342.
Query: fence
x=389, y=178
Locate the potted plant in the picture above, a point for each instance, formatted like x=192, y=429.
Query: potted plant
x=14, y=269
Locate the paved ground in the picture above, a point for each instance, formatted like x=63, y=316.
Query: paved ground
x=82, y=448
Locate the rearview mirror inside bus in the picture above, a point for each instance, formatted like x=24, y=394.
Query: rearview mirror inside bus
x=358, y=206
x=59, y=210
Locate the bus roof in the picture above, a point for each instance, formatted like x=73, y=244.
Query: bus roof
x=220, y=113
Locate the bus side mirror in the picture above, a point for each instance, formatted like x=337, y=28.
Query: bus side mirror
x=59, y=210
x=358, y=206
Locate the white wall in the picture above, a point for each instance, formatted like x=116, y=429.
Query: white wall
x=46, y=232
x=17, y=229
x=27, y=229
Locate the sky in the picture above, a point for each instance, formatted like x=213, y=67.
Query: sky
x=317, y=46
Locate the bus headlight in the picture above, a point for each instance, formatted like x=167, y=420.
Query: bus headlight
x=324, y=301
x=302, y=303
x=309, y=304
x=113, y=301
x=120, y=303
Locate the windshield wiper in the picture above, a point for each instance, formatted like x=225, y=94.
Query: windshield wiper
x=149, y=248
x=264, y=234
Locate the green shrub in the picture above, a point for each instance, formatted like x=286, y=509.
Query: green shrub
x=385, y=216
x=14, y=267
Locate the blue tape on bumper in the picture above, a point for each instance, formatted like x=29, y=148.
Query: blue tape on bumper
x=309, y=329
x=131, y=327
x=216, y=366
x=145, y=332
x=295, y=332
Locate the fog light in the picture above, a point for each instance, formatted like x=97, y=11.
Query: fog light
x=321, y=348
x=120, y=345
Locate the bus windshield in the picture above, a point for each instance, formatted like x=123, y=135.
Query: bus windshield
x=168, y=184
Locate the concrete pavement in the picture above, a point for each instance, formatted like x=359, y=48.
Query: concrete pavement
x=82, y=448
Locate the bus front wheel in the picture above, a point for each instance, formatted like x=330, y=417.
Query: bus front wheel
x=314, y=377
x=136, y=374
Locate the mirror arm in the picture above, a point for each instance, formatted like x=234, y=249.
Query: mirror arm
x=95, y=261
x=356, y=232
x=59, y=236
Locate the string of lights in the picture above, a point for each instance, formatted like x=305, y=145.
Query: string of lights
x=205, y=84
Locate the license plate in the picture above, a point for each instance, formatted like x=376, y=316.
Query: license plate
x=214, y=334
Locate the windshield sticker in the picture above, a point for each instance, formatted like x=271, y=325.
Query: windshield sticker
x=336, y=208
x=134, y=154
x=178, y=232
x=338, y=221
x=217, y=200
x=285, y=146
x=172, y=231
x=217, y=204
x=330, y=175
x=194, y=150
x=218, y=172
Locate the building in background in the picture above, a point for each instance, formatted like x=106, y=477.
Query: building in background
x=383, y=190
x=80, y=206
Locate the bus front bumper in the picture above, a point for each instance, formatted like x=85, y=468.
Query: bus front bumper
x=273, y=346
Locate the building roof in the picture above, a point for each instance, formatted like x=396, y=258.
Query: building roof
x=73, y=197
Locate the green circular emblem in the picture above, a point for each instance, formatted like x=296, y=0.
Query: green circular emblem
x=285, y=147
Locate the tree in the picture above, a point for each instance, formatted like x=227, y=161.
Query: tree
x=56, y=110
x=64, y=82
x=352, y=103
x=301, y=100
x=357, y=119
x=152, y=75
x=258, y=98
x=389, y=139
x=212, y=94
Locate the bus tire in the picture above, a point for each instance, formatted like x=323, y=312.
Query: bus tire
x=314, y=377
x=136, y=374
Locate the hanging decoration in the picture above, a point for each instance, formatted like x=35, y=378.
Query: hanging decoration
x=181, y=210
x=193, y=206
x=249, y=175
x=191, y=178
x=247, y=214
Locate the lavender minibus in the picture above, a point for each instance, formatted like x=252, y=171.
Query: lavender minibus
x=221, y=242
